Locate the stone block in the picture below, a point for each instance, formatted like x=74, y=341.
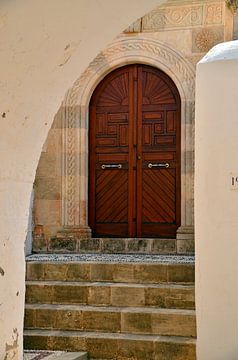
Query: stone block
x=180, y=299
x=58, y=119
x=170, y=298
x=181, y=273
x=101, y=348
x=139, y=245
x=105, y=321
x=163, y=246
x=39, y=243
x=54, y=271
x=99, y=295
x=136, y=323
x=170, y=324
x=35, y=271
x=123, y=272
x=102, y=272
x=127, y=296
x=47, y=188
x=185, y=246
x=150, y=273
x=35, y=342
x=78, y=272
x=70, y=294
x=30, y=318
x=45, y=318
x=88, y=245
x=39, y=293
x=113, y=245
x=129, y=349
x=156, y=297
x=69, y=319
x=62, y=245
x=48, y=213
x=66, y=343
x=47, y=167
x=174, y=351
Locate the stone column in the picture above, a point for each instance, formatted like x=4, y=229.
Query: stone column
x=185, y=233
x=74, y=176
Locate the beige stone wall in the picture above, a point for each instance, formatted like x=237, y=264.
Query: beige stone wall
x=47, y=187
x=189, y=29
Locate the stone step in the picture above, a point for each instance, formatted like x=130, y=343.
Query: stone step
x=141, y=320
x=111, y=268
x=113, y=346
x=114, y=245
x=111, y=294
x=54, y=355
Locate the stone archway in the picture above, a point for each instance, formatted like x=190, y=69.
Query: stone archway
x=75, y=129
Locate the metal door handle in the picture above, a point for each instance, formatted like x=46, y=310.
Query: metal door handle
x=160, y=165
x=111, y=166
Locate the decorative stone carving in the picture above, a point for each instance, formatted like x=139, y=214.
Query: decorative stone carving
x=70, y=166
x=136, y=47
x=233, y=5
x=214, y=14
x=204, y=39
x=173, y=17
x=75, y=118
x=135, y=27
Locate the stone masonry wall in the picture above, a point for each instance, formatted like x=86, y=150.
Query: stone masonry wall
x=190, y=29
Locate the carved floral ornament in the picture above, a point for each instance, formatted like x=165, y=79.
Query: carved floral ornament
x=232, y=5
x=205, y=39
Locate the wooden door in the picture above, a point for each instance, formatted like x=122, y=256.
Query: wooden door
x=134, y=155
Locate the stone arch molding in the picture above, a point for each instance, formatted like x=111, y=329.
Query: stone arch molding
x=75, y=121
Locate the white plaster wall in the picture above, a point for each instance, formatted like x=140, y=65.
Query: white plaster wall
x=216, y=205
x=44, y=46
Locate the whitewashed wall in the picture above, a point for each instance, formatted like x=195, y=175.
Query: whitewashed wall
x=44, y=47
x=216, y=204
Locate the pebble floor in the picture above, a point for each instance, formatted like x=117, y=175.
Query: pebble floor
x=113, y=258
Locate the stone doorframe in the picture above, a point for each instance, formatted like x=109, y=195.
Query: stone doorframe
x=75, y=124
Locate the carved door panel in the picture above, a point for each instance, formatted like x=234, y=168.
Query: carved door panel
x=159, y=143
x=134, y=165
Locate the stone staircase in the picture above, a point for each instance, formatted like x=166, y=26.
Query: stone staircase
x=117, y=307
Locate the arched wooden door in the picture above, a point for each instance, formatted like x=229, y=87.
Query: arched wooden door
x=134, y=155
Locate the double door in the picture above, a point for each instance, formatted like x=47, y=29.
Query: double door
x=134, y=155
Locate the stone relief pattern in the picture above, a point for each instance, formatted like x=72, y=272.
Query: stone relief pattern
x=214, y=14
x=152, y=49
x=204, y=39
x=69, y=142
x=233, y=5
x=135, y=27
x=183, y=17
x=139, y=47
x=173, y=17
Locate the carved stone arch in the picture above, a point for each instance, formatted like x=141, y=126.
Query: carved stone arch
x=75, y=128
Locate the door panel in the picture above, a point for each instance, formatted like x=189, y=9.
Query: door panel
x=134, y=166
x=110, y=121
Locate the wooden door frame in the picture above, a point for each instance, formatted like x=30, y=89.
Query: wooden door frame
x=75, y=119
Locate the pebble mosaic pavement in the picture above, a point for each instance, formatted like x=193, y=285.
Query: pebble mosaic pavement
x=113, y=258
